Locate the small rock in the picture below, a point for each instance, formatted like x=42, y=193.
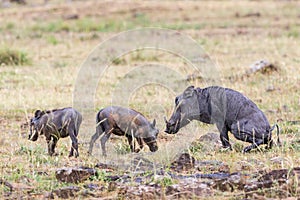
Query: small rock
x=71, y=16
x=262, y=66
x=283, y=179
x=105, y=167
x=278, y=160
x=74, y=175
x=201, y=189
x=93, y=186
x=66, y=192
x=279, y=174
x=172, y=189
x=212, y=166
x=42, y=173
x=188, y=190
x=87, y=194
x=270, y=88
x=210, y=137
x=112, y=186
x=234, y=181
x=208, y=142
x=48, y=195
x=254, y=14
x=116, y=177
x=185, y=162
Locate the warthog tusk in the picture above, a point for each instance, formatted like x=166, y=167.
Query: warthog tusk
x=166, y=120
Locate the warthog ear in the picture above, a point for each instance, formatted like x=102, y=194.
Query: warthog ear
x=153, y=123
x=188, y=92
x=38, y=113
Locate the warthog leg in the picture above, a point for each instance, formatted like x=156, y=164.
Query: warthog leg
x=104, y=138
x=253, y=146
x=51, y=145
x=74, y=144
x=95, y=137
x=132, y=145
x=224, y=136
x=140, y=142
x=247, y=132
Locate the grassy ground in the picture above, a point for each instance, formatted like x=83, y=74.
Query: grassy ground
x=51, y=42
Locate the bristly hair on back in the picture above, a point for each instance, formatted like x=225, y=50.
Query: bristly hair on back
x=54, y=110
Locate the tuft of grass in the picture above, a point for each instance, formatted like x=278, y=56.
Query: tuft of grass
x=52, y=40
x=122, y=148
x=100, y=176
x=141, y=56
x=183, y=26
x=119, y=61
x=88, y=24
x=238, y=147
x=81, y=25
x=13, y=57
x=54, y=26
x=59, y=64
x=9, y=26
x=166, y=181
x=293, y=32
x=196, y=147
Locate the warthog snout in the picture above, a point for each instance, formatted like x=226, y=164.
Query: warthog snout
x=151, y=142
x=172, y=127
x=33, y=134
x=153, y=148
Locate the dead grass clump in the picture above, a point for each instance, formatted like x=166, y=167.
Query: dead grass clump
x=13, y=57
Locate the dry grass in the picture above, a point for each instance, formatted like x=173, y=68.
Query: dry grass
x=234, y=34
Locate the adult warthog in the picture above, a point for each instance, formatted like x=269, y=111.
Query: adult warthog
x=55, y=124
x=228, y=109
x=124, y=121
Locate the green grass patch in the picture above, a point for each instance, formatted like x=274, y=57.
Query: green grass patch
x=294, y=32
x=54, y=26
x=196, y=147
x=9, y=26
x=166, y=181
x=119, y=61
x=182, y=26
x=100, y=176
x=13, y=57
x=88, y=25
x=52, y=40
x=122, y=148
